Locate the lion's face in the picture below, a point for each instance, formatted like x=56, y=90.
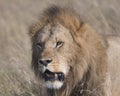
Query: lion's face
x=54, y=48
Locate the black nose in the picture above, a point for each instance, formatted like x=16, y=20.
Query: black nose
x=45, y=62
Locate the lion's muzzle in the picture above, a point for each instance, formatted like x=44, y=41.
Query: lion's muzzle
x=53, y=73
x=51, y=76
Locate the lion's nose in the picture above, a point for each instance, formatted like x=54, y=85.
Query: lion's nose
x=45, y=62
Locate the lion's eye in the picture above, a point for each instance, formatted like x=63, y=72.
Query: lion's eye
x=59, y=44
x=39, y=45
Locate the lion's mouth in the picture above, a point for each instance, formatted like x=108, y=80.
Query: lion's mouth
x=52, y=76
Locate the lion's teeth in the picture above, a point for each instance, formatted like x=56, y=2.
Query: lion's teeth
x=56, y=76
x=44, y=69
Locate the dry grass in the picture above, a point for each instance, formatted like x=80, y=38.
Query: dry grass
x=16, y=77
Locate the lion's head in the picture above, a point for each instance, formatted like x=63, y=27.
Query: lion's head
x=65, y=50
x=54, y=48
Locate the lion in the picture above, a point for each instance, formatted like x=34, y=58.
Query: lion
x=68, y=56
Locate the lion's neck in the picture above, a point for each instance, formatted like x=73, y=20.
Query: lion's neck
x=50, y=92
x=84, y=88
x=90, y=85
x=77, y=90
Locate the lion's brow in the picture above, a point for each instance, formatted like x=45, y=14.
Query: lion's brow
x=51, y=32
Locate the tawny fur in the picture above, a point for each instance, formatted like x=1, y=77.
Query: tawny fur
x=89, y=74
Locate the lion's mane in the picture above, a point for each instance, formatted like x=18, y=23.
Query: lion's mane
x=89, y=77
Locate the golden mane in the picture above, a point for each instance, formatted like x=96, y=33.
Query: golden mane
x=64, y=16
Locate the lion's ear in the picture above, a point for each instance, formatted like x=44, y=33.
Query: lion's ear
x=30, y=31
x=35, y=28
x=86, y=32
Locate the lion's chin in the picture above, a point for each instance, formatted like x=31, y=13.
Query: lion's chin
x=54, y=84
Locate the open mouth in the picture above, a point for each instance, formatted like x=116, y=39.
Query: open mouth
x=52, y=76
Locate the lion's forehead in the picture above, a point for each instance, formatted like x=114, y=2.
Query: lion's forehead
x=59, y=30
x=44, y=33
x=54, y=32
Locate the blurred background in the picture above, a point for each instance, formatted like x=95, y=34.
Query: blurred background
x=16, y=77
